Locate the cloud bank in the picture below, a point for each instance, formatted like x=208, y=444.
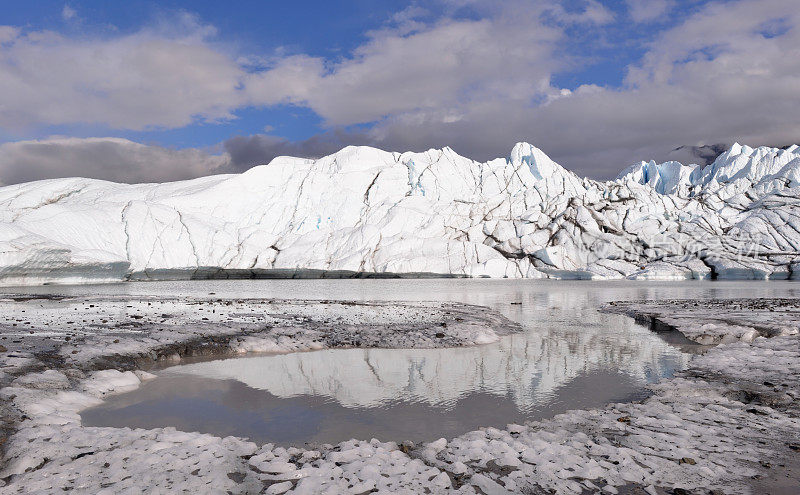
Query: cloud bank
x=114, y=159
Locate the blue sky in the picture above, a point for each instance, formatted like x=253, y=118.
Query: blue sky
x=595, y=84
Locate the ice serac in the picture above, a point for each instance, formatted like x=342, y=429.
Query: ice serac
x=367, y=211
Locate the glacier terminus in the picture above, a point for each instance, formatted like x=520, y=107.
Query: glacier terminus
x=367, y=212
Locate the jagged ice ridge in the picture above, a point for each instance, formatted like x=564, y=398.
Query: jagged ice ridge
x=363, y=210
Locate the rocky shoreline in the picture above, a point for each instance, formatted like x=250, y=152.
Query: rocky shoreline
x=728, y=423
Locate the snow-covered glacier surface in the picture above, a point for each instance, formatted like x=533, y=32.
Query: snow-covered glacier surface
x=363, y=211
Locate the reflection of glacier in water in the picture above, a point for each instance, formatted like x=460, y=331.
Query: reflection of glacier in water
x=569, y=356
x=527, y=368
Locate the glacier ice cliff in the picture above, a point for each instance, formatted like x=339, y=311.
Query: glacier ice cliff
x=364, y=211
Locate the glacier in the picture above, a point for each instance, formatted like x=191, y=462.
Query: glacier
x=367, y=212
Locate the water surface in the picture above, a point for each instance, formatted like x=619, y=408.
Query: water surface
x=568, y=356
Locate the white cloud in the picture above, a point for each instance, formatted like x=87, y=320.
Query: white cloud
x=8, y=33
x=173, y=75
x=590, y=12
x=136, y=81
x=648, y=10
x=68, y=13
x=442, y=66
x=597, y=13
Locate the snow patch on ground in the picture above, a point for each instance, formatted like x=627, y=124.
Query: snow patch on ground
x=717, y=321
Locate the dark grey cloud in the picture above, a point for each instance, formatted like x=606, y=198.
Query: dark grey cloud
x=701, y=155
x=113, y=159
x=245, y=152
x=122, y=160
